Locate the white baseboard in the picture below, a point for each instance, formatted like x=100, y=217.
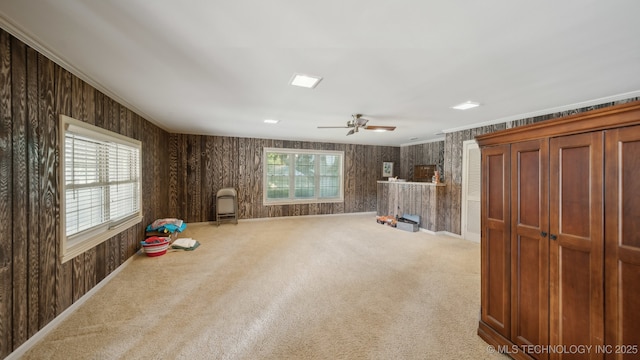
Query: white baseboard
x=287, y=217
x=443, y=233
x=22, y=349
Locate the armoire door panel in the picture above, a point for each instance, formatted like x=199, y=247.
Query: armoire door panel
x=630, y=189
x=575, y=183
x=495, y=247
x=528, y=187
x=495, y=164
x=527, y=292
x=530, y=248
x=495, y=304
x=574, y=289
x=622, y=247
x=576, y=255
x=629, y=312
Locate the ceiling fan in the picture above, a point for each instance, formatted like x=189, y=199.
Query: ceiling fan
x=358, y=122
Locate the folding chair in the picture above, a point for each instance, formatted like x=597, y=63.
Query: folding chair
x=226, y=205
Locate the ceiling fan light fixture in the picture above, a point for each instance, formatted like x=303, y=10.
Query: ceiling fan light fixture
x=466, y=105
x=271, y=121
x=305, y=81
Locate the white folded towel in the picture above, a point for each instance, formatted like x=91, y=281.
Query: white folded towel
x=184, y=242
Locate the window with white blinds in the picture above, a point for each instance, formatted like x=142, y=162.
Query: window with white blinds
x=101, y=185
x=294, y=176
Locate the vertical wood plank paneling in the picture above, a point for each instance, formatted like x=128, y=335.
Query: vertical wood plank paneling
x=218, y=165
x=78, y=111
x=6, y=251
x=126, y=129
x=361, y=186
x=124, y=126
x=156, y=172
x=244, y=177
x=173, y=174
x=244, y=202
x=381, y=197
x=226, y=179
x=89, y=271
x=112, y=112
x=183, y=169
x=19, y=192
x=247, y=154
x=34, y=285
x=161, y=168
x=48, y=190
x=33, y=169
x=256, y=178
x=234, y=155
x=356, y=199
x=193, y=178
x=237, y=162
x=372, y=157
x=147, y=173
x=101, y=249
x=207, y=178
x=30, y=136
x=350, y=178
x=255, y=146
x=89, y=104
x=64, y=272
x=426, y=216
x=420, y=154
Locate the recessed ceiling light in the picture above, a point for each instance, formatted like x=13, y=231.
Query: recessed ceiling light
x=305, y=81
x=271, y=121
x=466, y=105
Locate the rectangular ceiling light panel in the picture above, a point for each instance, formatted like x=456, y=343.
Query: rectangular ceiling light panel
x=466, y=105
x=305, y=81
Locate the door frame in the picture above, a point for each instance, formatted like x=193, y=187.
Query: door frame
x=466, y=145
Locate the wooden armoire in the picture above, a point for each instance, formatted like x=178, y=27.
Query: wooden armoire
x=561, y=237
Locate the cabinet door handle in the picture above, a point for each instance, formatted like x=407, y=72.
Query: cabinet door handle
x=543, y=234
x=553, y=237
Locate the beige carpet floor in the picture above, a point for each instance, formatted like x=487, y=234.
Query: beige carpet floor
x=294, y=288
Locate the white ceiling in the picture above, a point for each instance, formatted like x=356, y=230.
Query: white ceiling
x=221, y=67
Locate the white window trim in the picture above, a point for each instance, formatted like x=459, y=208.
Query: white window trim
x=269, y=202
x=83, y=241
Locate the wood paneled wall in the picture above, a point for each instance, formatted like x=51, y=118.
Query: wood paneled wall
x=398, y=198
x=453, y=158
x=201, y=165
x=453, y=173
x=34, y=286
x=181, y=176
x=421, y=154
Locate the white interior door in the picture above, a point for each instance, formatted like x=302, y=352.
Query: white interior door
x=471, y=191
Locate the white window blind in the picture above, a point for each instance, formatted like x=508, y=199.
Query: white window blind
x=102, y=189
x=302, y=176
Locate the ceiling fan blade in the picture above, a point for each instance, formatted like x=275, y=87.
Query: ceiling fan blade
x=351, y=132
x=380, y=127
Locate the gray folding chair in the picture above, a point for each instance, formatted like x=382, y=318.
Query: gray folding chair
x=226, y=205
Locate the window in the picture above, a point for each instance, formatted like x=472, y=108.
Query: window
x=101, y=192
x=302, y=176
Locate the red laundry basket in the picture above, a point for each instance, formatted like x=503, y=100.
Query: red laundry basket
x=155, y=245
